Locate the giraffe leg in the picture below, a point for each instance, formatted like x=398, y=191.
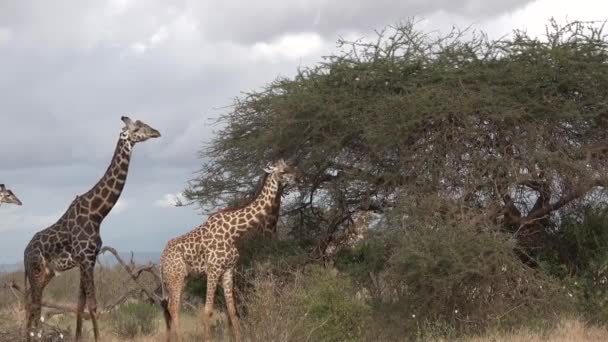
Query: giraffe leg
x=229, y=296
x=175, y=290
x=80, y=309
x=34, y=308
x=88, y=284
x=212, y=280
x=38, y=278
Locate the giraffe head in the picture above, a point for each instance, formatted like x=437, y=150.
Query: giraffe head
x=138, y=131
x=7, y=196
x=286, y=174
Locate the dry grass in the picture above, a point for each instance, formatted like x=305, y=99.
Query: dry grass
x=568, y=330
x=267, y=306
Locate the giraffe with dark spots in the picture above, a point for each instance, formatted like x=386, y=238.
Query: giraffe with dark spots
x=211, y=249
x=74, y=240
x=7, y=196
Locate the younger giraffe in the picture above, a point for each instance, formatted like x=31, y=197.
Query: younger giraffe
x=74, y=240
x=7, y=196
x=211, y=249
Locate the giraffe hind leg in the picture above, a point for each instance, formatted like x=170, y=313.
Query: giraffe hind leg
x=38, y=278
x=175, y=287
x=227, y=284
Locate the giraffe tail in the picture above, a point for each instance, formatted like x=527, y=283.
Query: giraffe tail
x=164, y=301
x=25, y=295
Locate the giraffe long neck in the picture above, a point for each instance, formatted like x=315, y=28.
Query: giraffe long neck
x=103, y=196
x=266, y=204
x=269, y=194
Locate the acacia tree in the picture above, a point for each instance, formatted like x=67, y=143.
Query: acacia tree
x=508, y=131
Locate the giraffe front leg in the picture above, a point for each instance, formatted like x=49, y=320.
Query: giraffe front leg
x=212, y=280
x=80, y=309
x=230, y=305
x=88, y=283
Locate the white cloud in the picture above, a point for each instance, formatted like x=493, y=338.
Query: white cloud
x=289, y=46
x=14, y=218
x=139, y=48
x=160, y=35
x=121, y=205
x=170, y=200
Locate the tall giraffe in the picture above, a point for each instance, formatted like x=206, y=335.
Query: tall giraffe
x=211, y=249
x=74, y=240
x=7, y=196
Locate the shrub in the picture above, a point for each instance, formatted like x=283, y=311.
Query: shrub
x=135, y=319
x=366, y=257
x=468, y=279
x=318, y=305
x=579, y=255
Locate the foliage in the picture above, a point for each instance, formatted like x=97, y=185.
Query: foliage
x=508, y=129
x=456, y=278
x=135, y=319
x=318, y=305
x=580, y=257
x=367, y=257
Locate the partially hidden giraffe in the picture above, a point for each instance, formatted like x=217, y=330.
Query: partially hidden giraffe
x=7, y=196
x=74, y=240
x=211, y=249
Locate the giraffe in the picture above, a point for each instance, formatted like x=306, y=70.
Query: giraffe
x=74, y=240
x=211, y=249
x=357, y=230
x=7, y=196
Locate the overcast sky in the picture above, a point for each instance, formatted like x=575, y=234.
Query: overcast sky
x=70, y=69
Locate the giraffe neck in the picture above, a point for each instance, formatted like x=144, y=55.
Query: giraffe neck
x=103, y=196
x=266, y=203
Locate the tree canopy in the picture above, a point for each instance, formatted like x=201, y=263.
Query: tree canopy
x=509, y=132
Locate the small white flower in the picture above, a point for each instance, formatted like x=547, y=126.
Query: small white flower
x=413, y=315
x=357, y=79
x=575, y=283
x=39, y=335
x=32, y=334
x=386, y=83
x=569, y=294
x=456, y=311
x=541, y=287
x=61, y=336
x=42, y=319
x=504, y=268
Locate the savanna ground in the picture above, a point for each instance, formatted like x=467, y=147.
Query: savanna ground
x=138, y=320
x=453, y=188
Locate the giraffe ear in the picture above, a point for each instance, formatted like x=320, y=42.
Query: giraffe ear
x=268, y=169
x=2, y=187
x=127, y=121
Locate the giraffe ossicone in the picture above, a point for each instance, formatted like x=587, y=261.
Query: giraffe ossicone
x=74, y=240
x=211, y=248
